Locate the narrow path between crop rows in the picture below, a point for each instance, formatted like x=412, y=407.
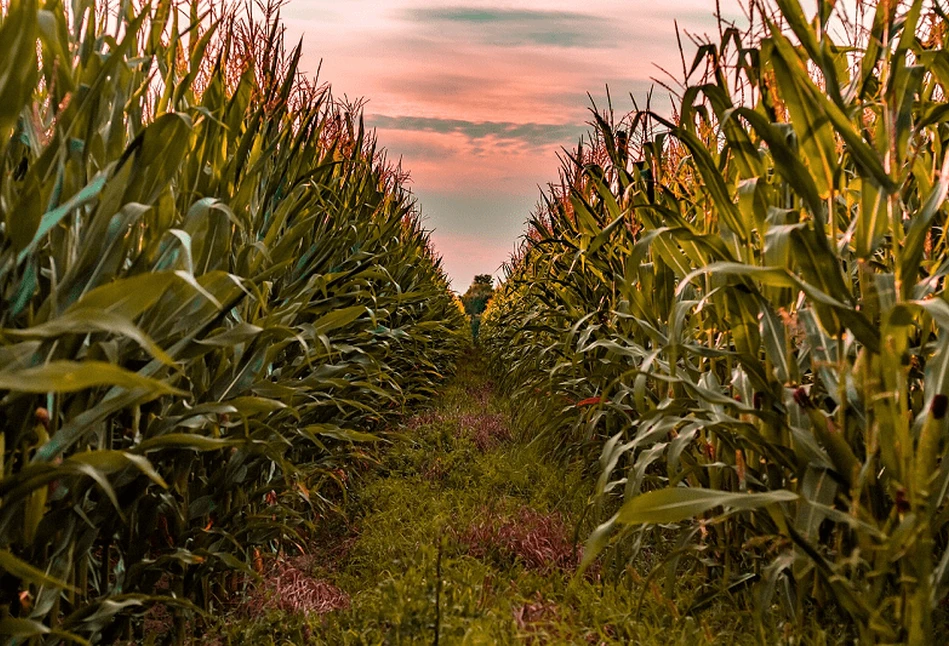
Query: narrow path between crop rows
x=463, y=534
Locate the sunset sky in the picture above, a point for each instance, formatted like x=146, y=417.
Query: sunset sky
x=478, y=97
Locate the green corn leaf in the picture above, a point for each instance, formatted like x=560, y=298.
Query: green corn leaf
x=86, y=320
x=338, y=318
x=775, y=343
x=787, y=162
x=25, y=572
x=50, y=219
x=793, y=13
x=772, y=276
x=18, y=627
x=872, y=221
x=919, y=228
x=71, y=376
x=681, y=503
x=862, y=153
x=345, y=434
x=126, y=297
x=715, y=184
x=18, y=35
x=255, y=405
x=184, y=441
x=109, y=462
x=155, y=155
x=240, y=333
x=808, y=117
x=595, y=544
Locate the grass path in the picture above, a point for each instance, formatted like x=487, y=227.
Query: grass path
x=463, y=534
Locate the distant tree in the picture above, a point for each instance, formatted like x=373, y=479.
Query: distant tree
x=478, y=294
x=476, y=299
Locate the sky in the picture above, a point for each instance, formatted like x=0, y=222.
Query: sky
x=478, y=97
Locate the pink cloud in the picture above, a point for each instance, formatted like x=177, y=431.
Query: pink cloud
x=454, y=162
x=492, y=66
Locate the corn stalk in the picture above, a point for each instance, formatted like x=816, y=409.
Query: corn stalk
x=744, y=310
x=214, y=292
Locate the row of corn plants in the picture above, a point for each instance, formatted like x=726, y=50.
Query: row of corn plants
x=214, y=290
x=743, y=312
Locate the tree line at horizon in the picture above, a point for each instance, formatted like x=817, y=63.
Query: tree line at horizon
x=476, y=298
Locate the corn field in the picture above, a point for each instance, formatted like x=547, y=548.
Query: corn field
x=214, y=290
x=742, y=313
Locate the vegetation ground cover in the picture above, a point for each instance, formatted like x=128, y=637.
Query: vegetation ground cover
x=467, y=530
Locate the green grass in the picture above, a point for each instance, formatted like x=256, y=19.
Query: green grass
x=416, y=514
